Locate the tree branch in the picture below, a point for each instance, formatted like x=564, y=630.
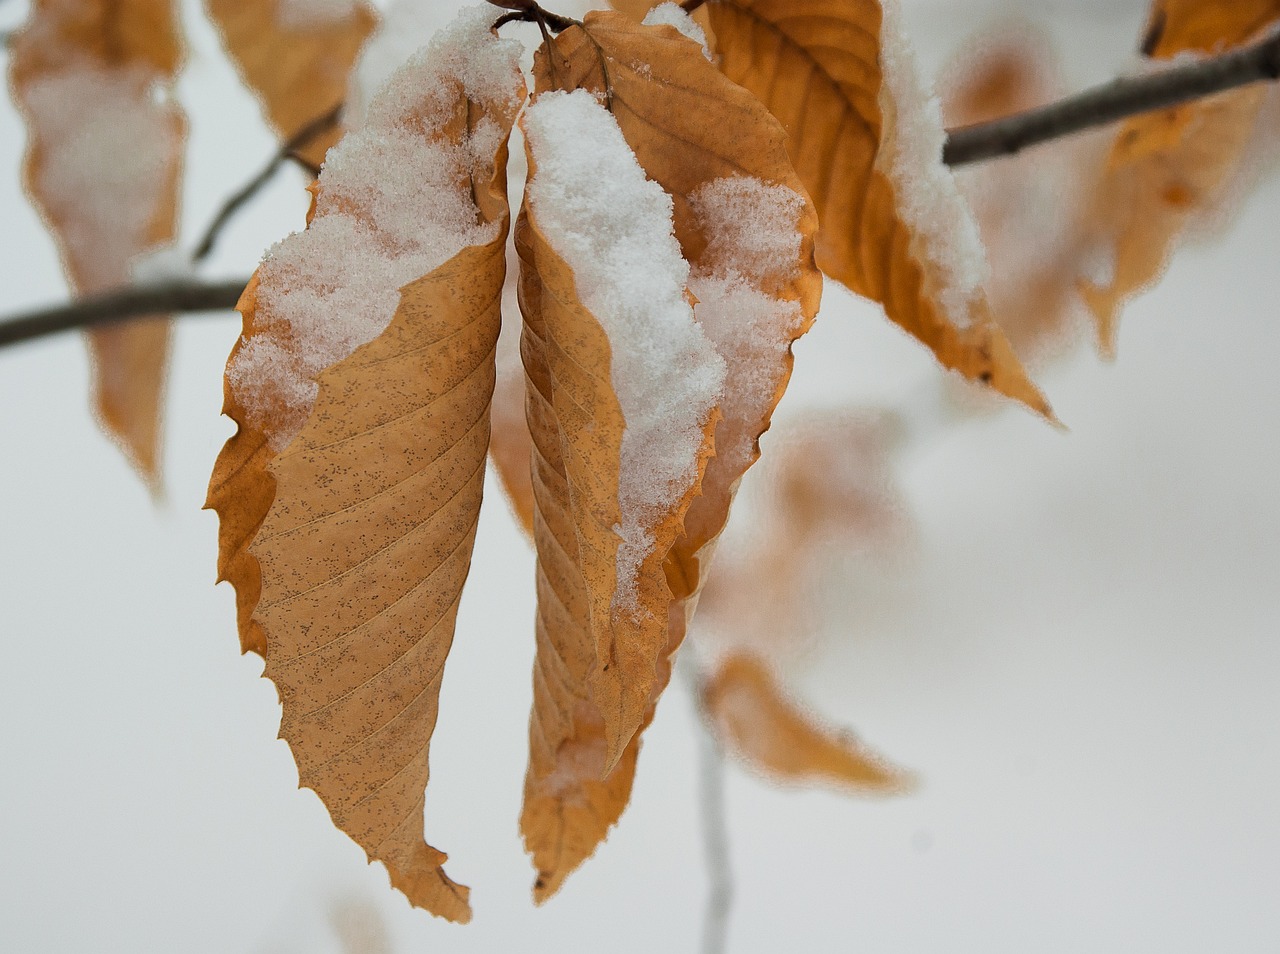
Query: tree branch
x=1104, y=104
x=122, y=305
x=1118, y=99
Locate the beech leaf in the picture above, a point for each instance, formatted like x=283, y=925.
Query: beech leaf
x=296, y=56
x=372, y=465
x=1167, y=167
x=746, y=228
x=757, y=722
x=103, y=166
x=868, y=147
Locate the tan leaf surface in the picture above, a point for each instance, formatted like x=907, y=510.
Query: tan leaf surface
x=1167, y=167
x=297, y=64
x=364, y=554
x=241, y=491
x=637, y=10
x=103, y=164
x=817, y=66
x=757, y=722
x=510, y=445
x=687, y=126
x=359, y=531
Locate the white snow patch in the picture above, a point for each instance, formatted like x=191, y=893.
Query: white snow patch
x=946, y=238
x=406, y=26
x=312, y=14
x=162, y=265
x=614, y=229
x=394, y=204
x=754, y=246
x=109, y=149
x=672, y=14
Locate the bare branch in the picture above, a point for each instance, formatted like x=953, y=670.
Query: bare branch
x=1118, y=99
x=122, y=305
x=251, y=188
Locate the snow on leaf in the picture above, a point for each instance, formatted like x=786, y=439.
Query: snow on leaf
x=1168, y=167
x=296, y=56
x=867, y=142
x=746, y=229
x=103, y=165
x=756, y=721
x=364, y=431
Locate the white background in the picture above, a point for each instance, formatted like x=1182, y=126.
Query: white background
x=1078, y=653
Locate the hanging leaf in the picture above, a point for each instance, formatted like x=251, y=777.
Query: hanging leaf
x=296, y=56
x=103, y=164
x=746, y=228
x=363, y=383
x=756, y=722
x=1167, y=167
x=867, y=143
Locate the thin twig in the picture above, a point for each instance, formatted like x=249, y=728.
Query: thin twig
x=122, y=305
x=251, y=188
x=714, y=818
x=1118, y=99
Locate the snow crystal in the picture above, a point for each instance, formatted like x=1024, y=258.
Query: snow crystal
x=672, y=14
x=753, y=248
x=313, y=14
x=394, y=203
x=107, y=149
x=614, y=229
x=406, y=26
x=928, y=199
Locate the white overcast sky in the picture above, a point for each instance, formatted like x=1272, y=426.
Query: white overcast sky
x=1078, y=654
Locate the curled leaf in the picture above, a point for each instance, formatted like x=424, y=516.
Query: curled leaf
x=867, y=143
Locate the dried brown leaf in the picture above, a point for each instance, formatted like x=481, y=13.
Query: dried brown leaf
x=1166, y=168
x=687, y=126
x=298, y=69
x=817, y=66
x=756, y=721
x=355, y=539
x=103, y=165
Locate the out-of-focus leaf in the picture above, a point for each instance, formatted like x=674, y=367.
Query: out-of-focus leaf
x=103, y=164
x=756, y=721
x=296, y=56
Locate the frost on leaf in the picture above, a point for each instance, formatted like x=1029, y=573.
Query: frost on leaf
x=103, y=165
x=743, y=233
x=362, y=390
x=296, y=56
x=1168, y=167
x=756, y=722
x=866, y=140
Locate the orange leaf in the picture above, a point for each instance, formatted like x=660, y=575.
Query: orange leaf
x=296, y=59
x=756, y=721
x=372, y=466
x=718, y=154
x=1167, y=167
x=510, y=445
x=103, y=164
x=863, y=141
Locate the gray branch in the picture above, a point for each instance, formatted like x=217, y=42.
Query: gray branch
x=122, y=305
x=1118, y=99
